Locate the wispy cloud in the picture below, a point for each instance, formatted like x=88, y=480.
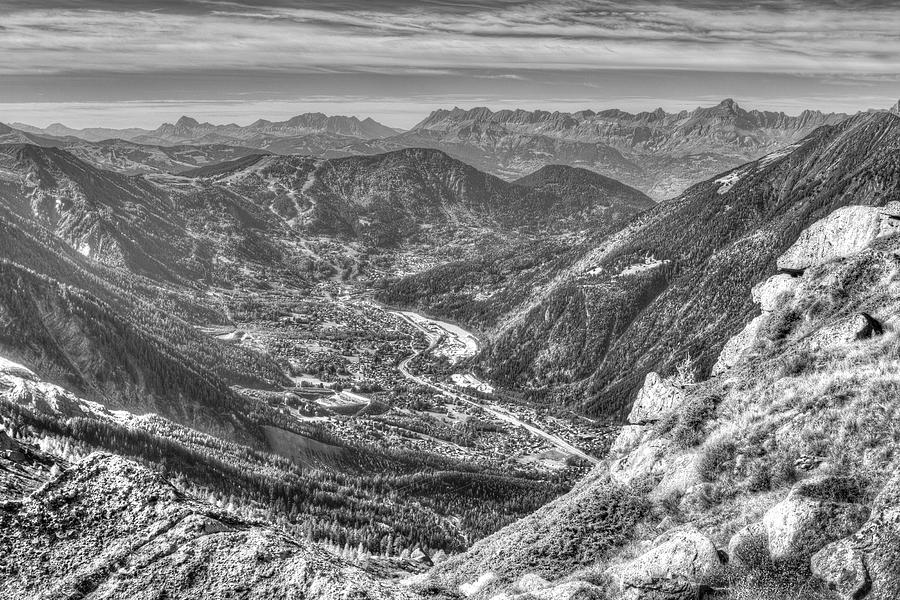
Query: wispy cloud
x=495, y=49
x=51, y=36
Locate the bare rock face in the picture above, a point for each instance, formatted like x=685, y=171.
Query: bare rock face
x=816, y=512
x=845, y=231
x=867, y=563
x=531, y=582
x=630, y=438
x=737, y=347
x=681, y=561
x=655, y=400
x=108, y=528
x=680, y=476
x=860, y=326
x=571, y=590
x=650, y=459
x=769, y=293
x=842, y=565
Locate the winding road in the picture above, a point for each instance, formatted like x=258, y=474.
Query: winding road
x=497, y=411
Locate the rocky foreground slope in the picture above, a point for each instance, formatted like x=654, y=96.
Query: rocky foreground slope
x=109, y=528
x=774, y=478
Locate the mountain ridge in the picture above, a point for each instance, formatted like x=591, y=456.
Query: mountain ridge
x=188, y=129
x=620, y=304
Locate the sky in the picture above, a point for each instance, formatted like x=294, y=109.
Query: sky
x=121, y=63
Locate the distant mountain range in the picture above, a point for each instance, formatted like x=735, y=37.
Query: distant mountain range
x=189, y=131
x=657, y=152
x=188, y=144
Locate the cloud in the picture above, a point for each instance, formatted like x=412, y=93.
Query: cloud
x=558, y=54
x=56, y=36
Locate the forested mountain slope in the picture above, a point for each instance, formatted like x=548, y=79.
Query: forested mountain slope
x=674, y=283
x=404, y=195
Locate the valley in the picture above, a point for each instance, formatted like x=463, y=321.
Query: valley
x=449, y=300
x=381, y=377
x=410, y=363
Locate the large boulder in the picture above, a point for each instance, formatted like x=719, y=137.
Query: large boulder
x=815, y=513
x=681, y=562
x=769, y=294
x=657, y=398
x=847, y=330
x=844, y=232
x=530, y=582
x=867, y=563
x=749, y=547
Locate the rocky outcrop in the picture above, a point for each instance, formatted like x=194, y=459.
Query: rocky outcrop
x=530, y=582
x=867, y=563
x=736, y=348
x=658, y=397
x=680, y=478
x=109, y=528
x=681, y=562
x=630, y=438
x=860, y=326
x=770, y=293
x=816, y=512
x=570, y=590
x=844, y=232
x=798, y=527
x=648, y=460
x=749, y=547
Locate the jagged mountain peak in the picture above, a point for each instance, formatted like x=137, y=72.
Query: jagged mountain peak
x=729, y=103
x=185, y=121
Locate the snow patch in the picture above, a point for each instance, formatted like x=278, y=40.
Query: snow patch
x=727, y=182
x=769, y=158
x=649, y=264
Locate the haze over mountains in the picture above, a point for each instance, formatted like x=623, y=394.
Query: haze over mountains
x=657, y=152
x=187, y=129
